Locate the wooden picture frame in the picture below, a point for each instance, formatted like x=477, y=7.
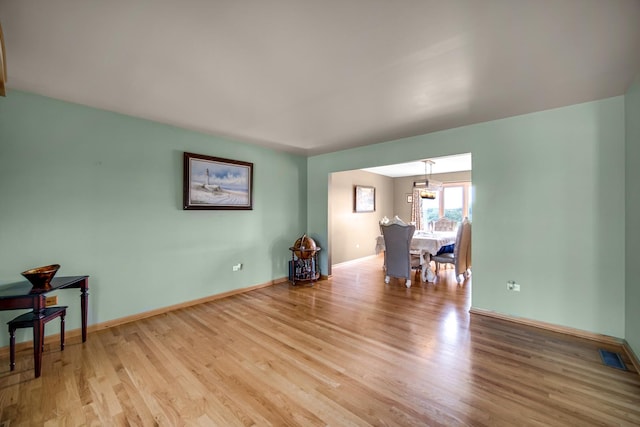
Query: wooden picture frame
x=3, y=65
x=212, y=183
x=364, y=198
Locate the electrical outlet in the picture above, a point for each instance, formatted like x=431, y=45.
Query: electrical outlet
x=52, y=300
x=513, y=286
x=237, y=267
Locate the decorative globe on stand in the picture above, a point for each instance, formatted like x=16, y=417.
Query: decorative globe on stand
x=303, y=267
x=305, y=247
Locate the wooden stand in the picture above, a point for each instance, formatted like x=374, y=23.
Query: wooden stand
x=304, y=269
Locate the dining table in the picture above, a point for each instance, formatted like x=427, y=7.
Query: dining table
x=426, y=243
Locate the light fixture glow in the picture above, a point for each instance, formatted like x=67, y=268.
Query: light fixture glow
x=428, y=187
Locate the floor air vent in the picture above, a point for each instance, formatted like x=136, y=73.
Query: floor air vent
x=612, y=359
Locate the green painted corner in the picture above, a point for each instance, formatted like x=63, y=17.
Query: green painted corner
x=632, y=233
x=101, y=194
x=548, y=209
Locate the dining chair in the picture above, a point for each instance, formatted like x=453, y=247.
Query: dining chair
x=399, y=261
x=461, y=256
x=383, y=221
x=444, y=224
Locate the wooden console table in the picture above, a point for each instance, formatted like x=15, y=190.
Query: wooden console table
x=20, y=295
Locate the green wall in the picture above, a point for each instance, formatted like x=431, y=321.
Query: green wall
x=549, y=209
x=101, y=194
x=632, y=170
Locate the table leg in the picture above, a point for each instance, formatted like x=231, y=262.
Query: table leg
x=427, y=273
x=38, y=330
x=84, y=300
x=431, y=277
x=12, y=349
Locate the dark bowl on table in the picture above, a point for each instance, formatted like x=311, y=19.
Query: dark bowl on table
x=40, y=277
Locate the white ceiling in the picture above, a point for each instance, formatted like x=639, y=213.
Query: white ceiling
x=457, y=163
x=312, y=76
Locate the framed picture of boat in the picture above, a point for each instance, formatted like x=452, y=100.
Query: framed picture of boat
x=217, y=183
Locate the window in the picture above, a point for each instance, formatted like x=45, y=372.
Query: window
x=470, y=199
x=431, y=209
x=453, y=202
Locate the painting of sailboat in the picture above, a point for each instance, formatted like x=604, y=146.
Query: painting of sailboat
x=217, y=183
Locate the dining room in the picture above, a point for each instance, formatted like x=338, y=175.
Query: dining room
x=355, y=233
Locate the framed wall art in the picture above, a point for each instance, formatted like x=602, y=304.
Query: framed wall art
x=3, y=66
x=216, y=183
x=364, y=199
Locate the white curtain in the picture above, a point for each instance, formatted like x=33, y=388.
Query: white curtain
x=416, y=209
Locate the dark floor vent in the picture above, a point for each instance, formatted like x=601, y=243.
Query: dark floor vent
x=612, y=359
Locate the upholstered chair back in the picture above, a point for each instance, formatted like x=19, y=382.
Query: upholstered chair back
x=462, y=250
x=397, y=242
x=445, y=224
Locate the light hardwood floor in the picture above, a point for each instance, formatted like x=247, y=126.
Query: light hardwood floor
x=350, y=351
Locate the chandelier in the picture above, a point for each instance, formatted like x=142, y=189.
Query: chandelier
x=428, y=187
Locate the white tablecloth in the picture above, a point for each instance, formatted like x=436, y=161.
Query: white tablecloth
x=425, y=241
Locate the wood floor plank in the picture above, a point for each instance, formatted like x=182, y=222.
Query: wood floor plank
x=349, y=351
